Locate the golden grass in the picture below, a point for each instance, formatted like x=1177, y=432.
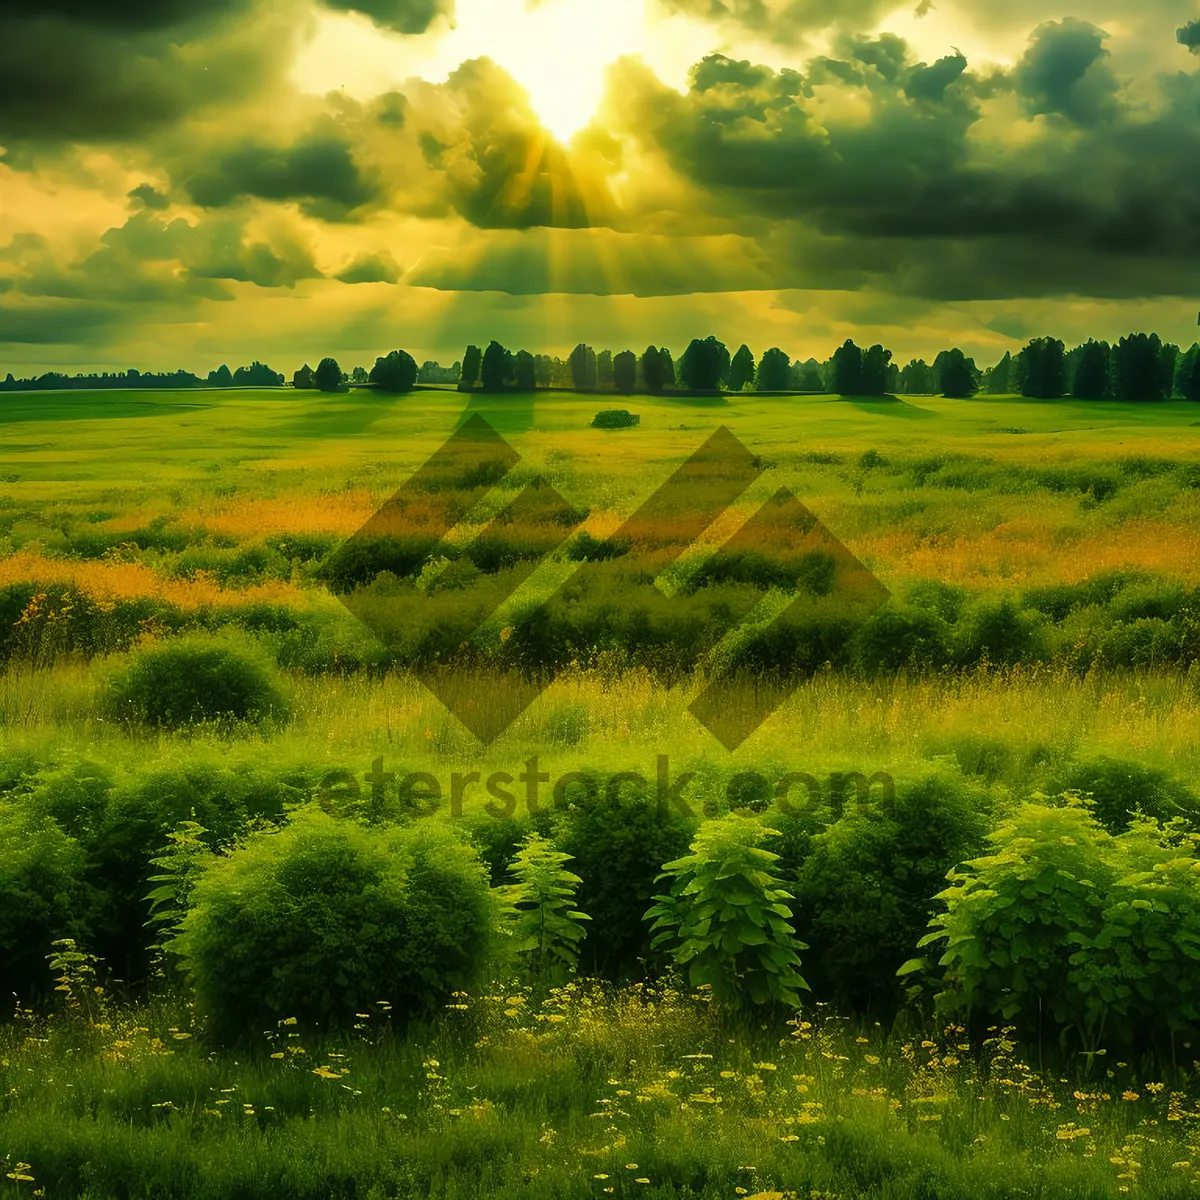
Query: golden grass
x=109, y=581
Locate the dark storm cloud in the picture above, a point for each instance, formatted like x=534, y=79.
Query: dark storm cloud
x=1189, y=35
x=871, y=162
x=1064, y=71
x=107, y=72
x=150, y=197
x=404, y=16
x=318, y=170
x=59, y=324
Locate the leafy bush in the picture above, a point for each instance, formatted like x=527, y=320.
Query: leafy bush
x=546, y=927
x=999, y=632
x=137, y=819
x=726, y=921
x=615, y=418
x=195, y=679
x=1116, y=789
x=864, y=894
x=895, y=639
x=325, y=917
x=619, y=852
x=1065, y=926
x=41, y=895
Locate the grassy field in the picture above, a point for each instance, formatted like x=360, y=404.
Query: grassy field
x=134, y=520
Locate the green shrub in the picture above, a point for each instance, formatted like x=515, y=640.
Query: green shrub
x=136, y=822
x=896, y=639
x=615, y=418
x=1116, y=789
x=864, y=894
x=1064, y=926
x=545, y=925
x=725, y=920
x=999, y=632
x=325, y=917
x=619, y=852
x=195, y=679
x=41, y=896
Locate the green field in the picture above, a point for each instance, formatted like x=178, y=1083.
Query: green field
x=1037, y=668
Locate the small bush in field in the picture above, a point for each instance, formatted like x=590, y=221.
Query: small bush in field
x=546, y=927
x=41, y=895
x=999, y=632
x=323, y=918
x=1116, y=789
x=901, y=639
x=195, y=679
x=1064, y=926
x=864, y=893
x=615, y=418
x=725, y=920
x=619, y=851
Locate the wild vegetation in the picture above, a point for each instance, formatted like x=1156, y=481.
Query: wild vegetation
x=275, y=921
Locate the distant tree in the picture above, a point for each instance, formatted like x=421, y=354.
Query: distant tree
x=668, y=367
x=955, y=375
x=255, y=375
x=848, y=369
x=893, y=378
x=525, y=369
x=396, y=373
x=304, y=378
x=741, y=370
x=328, y=375
x=221, y=377
x=724, y=365
x=543, y=370
x=358, y=375
x=497, y=367
x=472, y=362
x=653, y=371
x=1138, y=369
x=604, y=368
x=583, y=366
x=917, y=378
x=625, y=372
x=700, y=366
x=1089, y=380
x=998, y=379
x=774, y=373
x=807, y=376
x=876, y=374
x=1187, y=374
x=1171, y=356
x=1040, y=370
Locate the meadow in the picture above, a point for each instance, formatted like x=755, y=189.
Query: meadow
x=1026, y=702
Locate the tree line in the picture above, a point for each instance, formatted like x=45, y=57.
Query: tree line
x=1137, y=367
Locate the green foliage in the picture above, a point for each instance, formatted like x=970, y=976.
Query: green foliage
x=395, y=373
x=705, y=364
x=324, y=918
x=774, y=371
x=41, y=895
x=848, y=369
x=619, y=851
x=726, y=920
x=1064, y=926
x=999, y=632
x=545, y=925
x=180, y=864
x=615, y=418
x=741, y=370
x=863, y=895
x=328, y=376
x=193, y=679
x=625, y=367
x=1116, y=790
x=896, y=639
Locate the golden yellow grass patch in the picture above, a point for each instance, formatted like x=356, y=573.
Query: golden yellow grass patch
x=131, y=580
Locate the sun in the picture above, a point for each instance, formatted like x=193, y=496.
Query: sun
x=558, y=51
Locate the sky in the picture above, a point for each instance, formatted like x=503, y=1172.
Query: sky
x=190, y=182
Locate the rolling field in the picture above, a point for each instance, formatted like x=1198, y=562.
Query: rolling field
x=1031, y=690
